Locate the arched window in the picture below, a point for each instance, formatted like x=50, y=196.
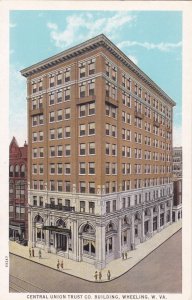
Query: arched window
x=38, y=219
x=23, y=171
x=17, y=171
x=88, y=229
x=60, y=223
x=11, y=171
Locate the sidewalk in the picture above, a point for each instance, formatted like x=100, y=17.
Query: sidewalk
x=86, y=271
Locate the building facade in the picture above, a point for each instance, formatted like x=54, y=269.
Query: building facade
x=100, y=153
x=177, y=183
x=177, y=162
x=18, y=202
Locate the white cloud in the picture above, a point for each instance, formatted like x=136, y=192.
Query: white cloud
x=84, y=26
x=17, y=105
x=177, y=136
x=165, y=47
x=134, y=59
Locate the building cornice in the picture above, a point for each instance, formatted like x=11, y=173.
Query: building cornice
x=94, y=43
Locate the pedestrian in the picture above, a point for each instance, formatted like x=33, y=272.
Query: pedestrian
x=62, y=265
x=125, y=255
x=58, y=264
x=95, y=275
x=29, y=252
x=40, y=253
x=100, y=275
x=108, y=275
x=33, y=252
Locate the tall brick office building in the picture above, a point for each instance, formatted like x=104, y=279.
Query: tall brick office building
x=100, y=153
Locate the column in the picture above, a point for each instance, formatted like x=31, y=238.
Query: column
x=158, y=218
x=33, y=235
x=171, y=211
x=151, y=221
x=75, y=240
x=142, y=226
x=132, y=232
x=165, y=215
x=29, y=228
x=119, y=251
x=100, y=246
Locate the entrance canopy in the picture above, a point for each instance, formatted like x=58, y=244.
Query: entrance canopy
x=58, y=229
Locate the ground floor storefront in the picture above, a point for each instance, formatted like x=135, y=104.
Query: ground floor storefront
x=95, y=239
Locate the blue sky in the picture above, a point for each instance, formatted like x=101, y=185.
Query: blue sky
x=152, y=39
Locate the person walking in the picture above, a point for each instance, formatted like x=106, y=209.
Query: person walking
x=62, y=265
x=108, y=275
x=29, y=252
x=95, y=275
x=100, y=275
x=33, y=252
x=58, y=264
x=40, y=254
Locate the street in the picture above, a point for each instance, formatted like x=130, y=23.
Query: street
x=159, y=272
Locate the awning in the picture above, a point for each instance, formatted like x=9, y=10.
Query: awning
x=57, y=229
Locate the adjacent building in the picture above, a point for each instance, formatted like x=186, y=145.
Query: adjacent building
x=18, y=215
x=99, y=155
x=177, y=183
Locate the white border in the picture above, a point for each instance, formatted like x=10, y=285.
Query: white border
x=186, y=8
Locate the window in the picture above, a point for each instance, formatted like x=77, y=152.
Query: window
x=113, y=130
x=34, y=120
x=41, y=152
x=114, y=149
x=34, y=136
x=107, y=148
x=107, y=184
x=67, y=168
x=91, y=148
x=40, y=119
x=59, y=97
x=52, y=134
x=40, y=135
x=82, y=110
x=82, y=148
x=67, y=150
x=67, y=186
x=40, y=102
x=34, y=200
x=11, y=171
x=82, y=168
x=34, y=169
x=67, y=113
x=91, y=168
x=60, y=185
x=82, y=206
x=91, y=207
x=59, y=168
x=59, y=150
x=82, y=91
x=82, y=129
x=52, y=116
x=59, y=79
x=67, y=131
x=67, y=75
x=91, y=128
x=92, y=187
x=114, y=74
x=51, y=81
x=35, y=153
x=41, y=201
x=41, y=185
x=107, y=67
x=91, y=108
x=82, y=187
x=107, y=129
x=114, y=205
x=67, y=94
x=114, y=168
x=52, y=185
x=51, y=99
x=34, y=104
x=35, y=186
x=91, y=88
x=92, y=68
x=34, y=87
x=52, y=169
x=41, y=169
x=108, y=207
x=59, y=115
x=107, y=168
x=114, y=186
x=82, y=71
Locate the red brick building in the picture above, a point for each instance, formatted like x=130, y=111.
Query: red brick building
x=18, y=218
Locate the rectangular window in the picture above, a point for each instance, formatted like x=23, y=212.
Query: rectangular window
x=67, y=168
x=59, y=97
x=82, y=206
x=108, y=207
x=91, y=88
x=91, y=168
x=91, y=148
x=51, y=81
x=82, y=110
x=60, y=133
x=92, y=187
x=67, y=113
x=91, y=207
x=91, y=108
x=59, y=79
x=68, y=132
x=92, y=68
x=82, y=91
x=82, y=187
x=59, y=115
x=82, y=168
x=82, y=129
x=67, y=150
x=67, y=186
x=91, y=127
x=67, y=94
x=67, y=75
